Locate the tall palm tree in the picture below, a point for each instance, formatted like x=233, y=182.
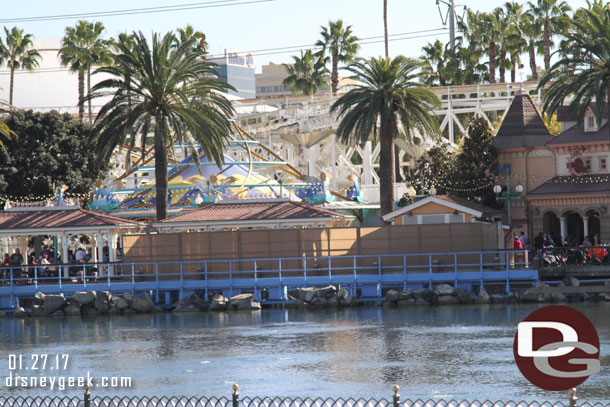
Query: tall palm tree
x=82, y=47
x=18, y=53
x=385, y=28
x=308, y=74
x=173, y=88
x=340, y=45
x=485, y=31
x=531, y=29
x=188, y=32
x=584, y=74
x=514, y=42
x=440, y=64
x=553, y=16
x=388, y=98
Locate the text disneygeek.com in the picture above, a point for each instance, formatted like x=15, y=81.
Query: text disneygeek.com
x=66, y=382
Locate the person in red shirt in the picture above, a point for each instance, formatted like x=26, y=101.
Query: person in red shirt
x=517, y=243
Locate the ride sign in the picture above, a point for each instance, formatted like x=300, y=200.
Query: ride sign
x=556, y=348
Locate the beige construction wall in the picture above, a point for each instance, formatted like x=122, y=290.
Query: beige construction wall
x=319, y=242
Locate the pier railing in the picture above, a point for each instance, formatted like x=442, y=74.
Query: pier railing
x=235, y=401
x=278, y=274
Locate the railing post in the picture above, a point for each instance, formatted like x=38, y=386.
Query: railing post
x=205, y=273
x=330, y=267
x=87, y=397
x=181, y=279
x=430, y=271
x=404, y=270
x=36, y=277
x=157, y=278
x=455, y=270
x=508, y=275
x=230, y=278
x=573, y=397
x=396, y=397
x=379, y=267
x=481, y=267
x=133, y=274
x=235, y=395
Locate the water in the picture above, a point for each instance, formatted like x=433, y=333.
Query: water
x=445, y=352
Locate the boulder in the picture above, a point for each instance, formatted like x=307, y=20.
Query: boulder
x=389, y=304
x=498, y=298
x=527, y=296
x=556, y=297
x=127, y=296
x=299, y=303
x=89, y=309
x=423, y=293
x=447, y=299
x=58, y=313
x=142, y=303
x=423, y=301
x=319, y=301
x=444, y=289
x=392, y=296
x=406, y=303
x=307, y=293
x=119, y=303
x=482, y=297
x=244, y=302
x=326, y=292
x=72, y=308
x=198, y=302
x=37, y=311
x=84, y=297
x=52, y=303
x=38, y=298
x=405, y=295
x=332, y=301
x=571, y=282
x=344, y=297
x=219, y=303
x=102, y=302
x=20, y=312
x=187, y=307
x=465, y=296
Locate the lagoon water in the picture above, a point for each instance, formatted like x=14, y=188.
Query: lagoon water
x=443, y=352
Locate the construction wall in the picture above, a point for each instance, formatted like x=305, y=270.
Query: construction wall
x=318, y=242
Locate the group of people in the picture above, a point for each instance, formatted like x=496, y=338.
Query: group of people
x=570, y=252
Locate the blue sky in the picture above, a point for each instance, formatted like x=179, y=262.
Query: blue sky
x=260, y=25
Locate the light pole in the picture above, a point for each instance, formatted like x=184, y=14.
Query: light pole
x=508, y=195
x=449, y=16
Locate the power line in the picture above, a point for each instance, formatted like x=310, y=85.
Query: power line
x=146, y=10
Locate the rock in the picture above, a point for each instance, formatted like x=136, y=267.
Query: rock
x=244, y=302
x=512, y=296
x=187, y=307
x=405, y=295
x=344, y=297
x=52, y=303
x=319, y=301
x=198, y=302
x=114, y=311
x=38, y=298
x=102, y=302
x=498, y=298
x=219, y=303
x=89, y=309
x=142, y=303
x=447, y=299
x=557, y=297
x=389, y=304
x=306, y=294
x=423, y=293
x=20, y=312
x=530, y=297
x=571, y=282
x=332, y=301
x=3, y=314
x=119, y=303
x=128, y=311
x=58, y=313
x=482, y=297
x=444, y=289
x=37, y=311
x=84, y=297
x=72, y=308
x=299, y=303
x=465, y=296
x=405, y=303
x=420, y=300
x=326, y=292
x=127, y=296
x=392, y=296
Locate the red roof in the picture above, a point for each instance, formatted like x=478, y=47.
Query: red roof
x=244, y=211
x=60, y=218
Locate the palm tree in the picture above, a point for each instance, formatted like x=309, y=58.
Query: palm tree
x=340, y=45
x=531, y=29
x=387, y=98
x=440, y=65
x=173, y=88
x=82, y=47
x=307, y=74
x=514, y=42
x=6, y=134
x=18, y=53
x=584, y=74
x=484, y=30
x=553, y=16
x=185, y=34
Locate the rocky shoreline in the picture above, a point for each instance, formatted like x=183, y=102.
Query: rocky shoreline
x=84, y=303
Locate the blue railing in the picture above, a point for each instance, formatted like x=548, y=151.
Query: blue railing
x=367, y=273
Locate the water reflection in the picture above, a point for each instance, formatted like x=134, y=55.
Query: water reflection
x=462, y=352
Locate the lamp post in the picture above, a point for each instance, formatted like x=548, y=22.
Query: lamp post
x=412, y=193
x=508, y=195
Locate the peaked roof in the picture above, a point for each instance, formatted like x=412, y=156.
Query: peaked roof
x=563, y=185
x=58, y=219
x=577, y=134
x=522, y=125
x=256, y=211
x=453, y=202
x=566, y=114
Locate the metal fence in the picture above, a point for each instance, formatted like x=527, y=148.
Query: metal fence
x=235, y=401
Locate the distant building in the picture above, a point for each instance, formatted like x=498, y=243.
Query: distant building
x=238, y=70
x=269, y=83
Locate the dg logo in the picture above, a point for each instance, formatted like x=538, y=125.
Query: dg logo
x=556, y=348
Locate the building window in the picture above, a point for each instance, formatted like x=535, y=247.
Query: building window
x=588, y=164
x=590, y=124
x=603, y=164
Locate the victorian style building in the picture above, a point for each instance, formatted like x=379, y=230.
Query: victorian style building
x=565, y=179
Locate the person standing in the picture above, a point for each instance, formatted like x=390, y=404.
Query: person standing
x=15, y=262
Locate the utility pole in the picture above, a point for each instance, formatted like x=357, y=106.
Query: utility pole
x=451, y=16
